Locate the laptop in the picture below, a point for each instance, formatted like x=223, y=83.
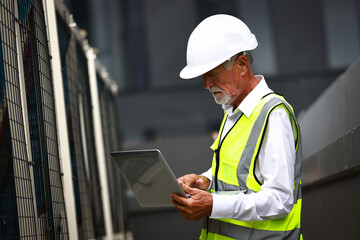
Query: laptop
x=149, y=176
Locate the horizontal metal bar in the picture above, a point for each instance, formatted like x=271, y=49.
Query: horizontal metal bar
x=105, y=77
x=337, y=158
x=68, y=18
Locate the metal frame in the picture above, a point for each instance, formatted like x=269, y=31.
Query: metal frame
x=61, y=119
x=48, y=103
x=105, y=77
x=107, y=91
x=38, y=94
x=99, y=141
x=91, y=56
x=36, y=173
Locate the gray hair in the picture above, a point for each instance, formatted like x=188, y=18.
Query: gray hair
x=229, y=63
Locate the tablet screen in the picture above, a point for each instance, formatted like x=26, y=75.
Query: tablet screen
x=149, y=176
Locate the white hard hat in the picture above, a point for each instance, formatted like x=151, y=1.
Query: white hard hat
x=215, y=40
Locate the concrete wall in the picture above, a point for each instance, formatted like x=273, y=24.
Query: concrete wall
x=331, y=210
x=331, y=164
x=334, y=113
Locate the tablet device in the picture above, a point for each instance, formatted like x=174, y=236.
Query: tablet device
x=149, y=176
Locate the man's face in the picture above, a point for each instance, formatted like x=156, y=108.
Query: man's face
x=224, y=84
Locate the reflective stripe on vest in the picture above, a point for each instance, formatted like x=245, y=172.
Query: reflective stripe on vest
x=236, y=173
x=223, y=230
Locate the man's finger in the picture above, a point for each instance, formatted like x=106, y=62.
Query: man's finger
x=179, y=200
x=187, y=189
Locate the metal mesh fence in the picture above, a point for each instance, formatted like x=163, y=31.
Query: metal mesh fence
x=89, y=138
x=88, y=202
x=17, y=217
x=31, y=191
x=83, y=208
x=111, y=143
x=50, y=207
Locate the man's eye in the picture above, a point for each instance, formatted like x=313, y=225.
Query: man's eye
x=212, y=74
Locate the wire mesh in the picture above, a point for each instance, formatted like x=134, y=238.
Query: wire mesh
x=119, y=193
x=50, y=206
x=31, y=192
x=91, y=160
x=111, y=143
x=17, y=217
x=88, y=202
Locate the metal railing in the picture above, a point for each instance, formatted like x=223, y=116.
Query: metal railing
x=54, y=183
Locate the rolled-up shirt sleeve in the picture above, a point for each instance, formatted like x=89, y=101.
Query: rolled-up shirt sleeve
x=274, y=168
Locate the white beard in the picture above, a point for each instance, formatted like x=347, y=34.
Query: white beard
x=220, y=97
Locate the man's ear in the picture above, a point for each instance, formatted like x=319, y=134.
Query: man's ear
x=243, y=63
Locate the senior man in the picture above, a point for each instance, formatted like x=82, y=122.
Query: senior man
x=252, y=190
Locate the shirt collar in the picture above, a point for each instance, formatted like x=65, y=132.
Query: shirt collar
x=249, y=103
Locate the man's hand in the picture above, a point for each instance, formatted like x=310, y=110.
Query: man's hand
x=199, y=204
x=195, y=181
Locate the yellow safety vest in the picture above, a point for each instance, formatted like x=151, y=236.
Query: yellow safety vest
x=233, y=169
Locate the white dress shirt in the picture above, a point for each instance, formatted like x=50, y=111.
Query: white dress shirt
x=274, y=166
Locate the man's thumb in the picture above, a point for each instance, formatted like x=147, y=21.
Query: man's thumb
x=200, y=183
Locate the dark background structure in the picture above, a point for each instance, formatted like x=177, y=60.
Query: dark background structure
x=303, y=47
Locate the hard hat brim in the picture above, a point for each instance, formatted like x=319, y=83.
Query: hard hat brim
x=189, y=72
